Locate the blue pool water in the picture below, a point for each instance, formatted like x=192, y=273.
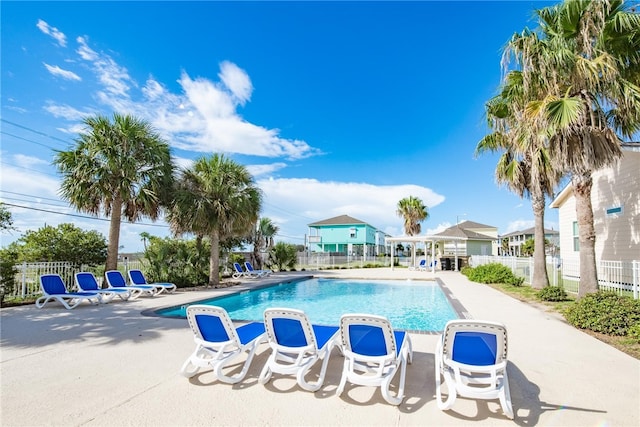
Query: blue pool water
x=416, y=306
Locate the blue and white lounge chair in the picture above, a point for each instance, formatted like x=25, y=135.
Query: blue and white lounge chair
x=87, y=282
x=218, y=342
x=421, y=265
x=432, y=265
x=373, y=353
x=296, y=346
x=240, y=273
x=260, y=273
x=115, y=279
x=471, y=356
x=53, y=289
x=137, y=278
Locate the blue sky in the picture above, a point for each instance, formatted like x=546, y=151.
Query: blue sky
x=335, y=107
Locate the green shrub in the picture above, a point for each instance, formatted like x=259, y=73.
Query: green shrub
x=552, y=293
x=634, y=332
x=605, y=312
x=493, y=273
x=466, y=270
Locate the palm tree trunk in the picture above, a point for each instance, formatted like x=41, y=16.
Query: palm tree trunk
x=540, y=277
x=586, y=233
x=214, y=259
x=114, y=234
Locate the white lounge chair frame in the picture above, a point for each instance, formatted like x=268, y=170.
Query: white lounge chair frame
x=220, y=353
x=374, y=370
x=137, y=278
x=260, y=273
x=115, y=279
x=240, y=273
x=297, y=360
x=85, y=278
x=485, y=382
x=57, y=291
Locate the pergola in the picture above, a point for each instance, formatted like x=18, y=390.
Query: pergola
x=432, y=239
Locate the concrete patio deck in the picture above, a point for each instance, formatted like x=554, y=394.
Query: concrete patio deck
x=111, y=366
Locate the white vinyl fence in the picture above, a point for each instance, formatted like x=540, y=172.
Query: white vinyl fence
x=27, y=282
x=317, y=261
x=618, y=276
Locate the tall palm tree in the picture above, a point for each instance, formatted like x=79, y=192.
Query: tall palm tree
x=218, y=198
x=525, y=166
x=120, y=168
x=263, y=239
x=586, y=56
x=413, y=211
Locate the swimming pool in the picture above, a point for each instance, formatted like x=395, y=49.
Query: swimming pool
x=409, y=305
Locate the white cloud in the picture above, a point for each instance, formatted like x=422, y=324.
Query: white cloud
x=519, y=225
x=28, y=161
x=202, y=118
x=59, y=72
x=27, y=182
x=258, y=170
x=293, y=203
x=182, y=162
x=53, y=32
x=65, y=111
x=236, y=80
x=115, y=80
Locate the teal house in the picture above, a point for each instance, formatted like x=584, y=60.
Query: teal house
x=346, y=235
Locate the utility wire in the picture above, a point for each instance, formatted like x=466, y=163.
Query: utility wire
x=28, y=169
x=83, y=216
x=28, y=140
x=34, y=131
x=29, y=195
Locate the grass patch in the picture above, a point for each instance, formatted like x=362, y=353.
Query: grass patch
x=529, y=295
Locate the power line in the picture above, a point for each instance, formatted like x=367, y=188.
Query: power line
x=83, y=216
x=28, y=169
x=34, y=131
x=29, y=195
x=288, y=212
x=31, y=201
x=28, y=140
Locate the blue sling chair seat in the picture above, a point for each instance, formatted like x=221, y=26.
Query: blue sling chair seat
x=54, y=289
x=373, y=353
x=87, y=282
x=219, y=342
x=471, y=356
x=296, y=346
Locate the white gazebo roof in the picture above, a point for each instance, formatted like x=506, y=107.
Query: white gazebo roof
x=425, y=238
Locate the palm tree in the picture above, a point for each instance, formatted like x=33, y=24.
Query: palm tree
x=120, y=168
x=145, y=237
x=414, y=212
x=525, y=166
x=263, y=239
x=218, y=198
x=586, y=57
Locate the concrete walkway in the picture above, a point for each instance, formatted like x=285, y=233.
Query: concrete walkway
x=111, y=366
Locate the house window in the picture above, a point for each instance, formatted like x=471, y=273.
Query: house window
x=614, y=211
x=576, y=238
x=352, y=233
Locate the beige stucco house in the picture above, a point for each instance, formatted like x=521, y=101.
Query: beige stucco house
x=615, y=197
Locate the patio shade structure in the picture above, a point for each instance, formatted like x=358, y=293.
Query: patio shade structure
x=432, y=239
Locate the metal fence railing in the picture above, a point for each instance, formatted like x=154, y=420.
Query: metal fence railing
x=619, y=276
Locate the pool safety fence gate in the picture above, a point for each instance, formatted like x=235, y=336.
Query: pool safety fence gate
x=622, y=277
x=27, y=281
